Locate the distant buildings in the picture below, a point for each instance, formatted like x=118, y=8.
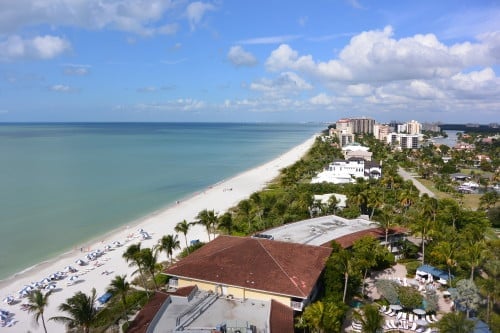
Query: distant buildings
x=347, y=128
x=399, y=135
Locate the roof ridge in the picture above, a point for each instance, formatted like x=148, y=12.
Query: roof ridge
x=259, y=241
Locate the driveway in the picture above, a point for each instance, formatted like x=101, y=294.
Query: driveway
x=408, y=176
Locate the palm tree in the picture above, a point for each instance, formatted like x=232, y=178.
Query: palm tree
x=132, y=256
x=455, y=322
x=346, y=262
x=324, y=317
x=149, y=262
x=120, y=286
x=37, y=302
x=168, y=243
x=475, y=252
x=445, y=252
x=370, y=318
x=80, y=310
x=385, y=220
x=375, y=199
x=225, y=223
x=183, y=227
x=208, y=219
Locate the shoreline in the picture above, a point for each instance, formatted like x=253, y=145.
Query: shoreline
x=130, y=224
x=158, y=223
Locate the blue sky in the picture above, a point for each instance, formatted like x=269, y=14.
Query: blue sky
x=161, y=60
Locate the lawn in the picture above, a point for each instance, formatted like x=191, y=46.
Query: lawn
x=469, y=200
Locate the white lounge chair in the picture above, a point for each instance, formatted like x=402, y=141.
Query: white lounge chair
x=383, y=308
x=413, y=327
x=398, y=316
x=434, y=318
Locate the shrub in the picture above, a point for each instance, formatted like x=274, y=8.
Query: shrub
x=409, y=297
x=388, y=289
x=411, y=267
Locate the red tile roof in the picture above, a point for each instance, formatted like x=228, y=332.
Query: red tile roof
x=143, y=319
x=281, y=318
x=348, y=240
x=259, y=264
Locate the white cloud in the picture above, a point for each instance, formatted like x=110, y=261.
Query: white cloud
x=76, y=70
x=355, y=4
x=48, y=47
x=303, y=20
x=361, y=89
x=375, y=56
x=239, y=57
x=168, y=29
x=287, y=83
x=269, y=39
x=40, y=47
x=181, y=104
x=137, y=16
x=195, y=12
x=61, y=88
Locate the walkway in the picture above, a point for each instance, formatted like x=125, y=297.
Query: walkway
x=408, y=176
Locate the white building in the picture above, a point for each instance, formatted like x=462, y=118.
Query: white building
x=404, y=141
x=347, y=171
x=355, y=150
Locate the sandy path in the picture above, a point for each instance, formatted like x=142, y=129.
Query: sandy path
x=217, y=197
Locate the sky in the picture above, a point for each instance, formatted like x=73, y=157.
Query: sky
x=249, y=60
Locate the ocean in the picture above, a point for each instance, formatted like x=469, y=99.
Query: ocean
x=64, y=184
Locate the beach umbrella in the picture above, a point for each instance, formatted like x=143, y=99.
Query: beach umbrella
x=396, y=307
x=24, y=293
x=80, y=262
x=117, y=244
x=50, y=287
x=73, y=278
x=107, y=248
x=45, y=281
x=36, y=285
x=419, y=312
x=8, y=299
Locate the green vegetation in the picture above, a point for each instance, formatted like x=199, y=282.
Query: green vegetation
x=450, y=230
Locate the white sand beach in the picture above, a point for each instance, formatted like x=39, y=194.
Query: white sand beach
x=219, y=197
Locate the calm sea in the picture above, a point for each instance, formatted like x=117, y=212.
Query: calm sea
x=64, y=184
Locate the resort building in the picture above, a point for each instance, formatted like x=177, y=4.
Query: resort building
x=355, y=150
x=347, y=171
x=410, y=127
x=404, y=141
x=254, y=268
x=381, y=131
x=346, y=128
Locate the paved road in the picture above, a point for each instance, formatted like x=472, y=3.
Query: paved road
x=407, y=176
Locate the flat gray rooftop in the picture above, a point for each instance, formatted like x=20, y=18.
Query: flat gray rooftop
x=320, y=230
x=233, y=312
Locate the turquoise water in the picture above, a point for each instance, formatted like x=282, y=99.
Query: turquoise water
x=63, y=184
